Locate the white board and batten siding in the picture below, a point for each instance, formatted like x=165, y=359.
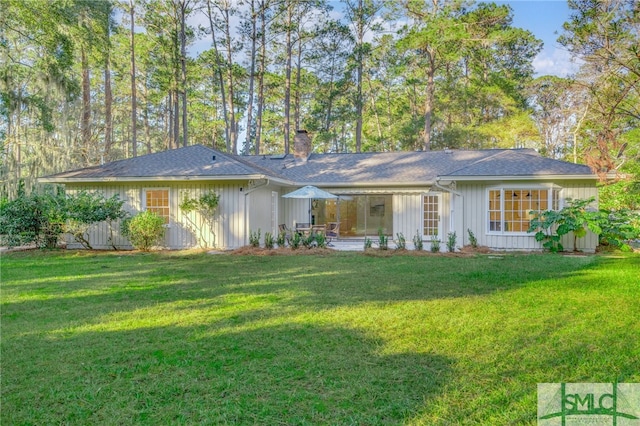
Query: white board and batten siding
x=474, y=214
x=185, y=230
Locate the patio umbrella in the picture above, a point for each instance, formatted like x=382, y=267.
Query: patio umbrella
x=310, y=192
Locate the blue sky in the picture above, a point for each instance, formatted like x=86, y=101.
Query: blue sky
x=544, y=18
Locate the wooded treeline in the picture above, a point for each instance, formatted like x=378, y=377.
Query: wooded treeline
x=84, y=82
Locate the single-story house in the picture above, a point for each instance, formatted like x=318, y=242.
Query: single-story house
x=430, y=193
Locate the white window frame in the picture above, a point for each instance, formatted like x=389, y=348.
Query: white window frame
x=506, y=189
x=144, y=200
x=439, y=213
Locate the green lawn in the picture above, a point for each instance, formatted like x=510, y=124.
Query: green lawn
x=347, y=338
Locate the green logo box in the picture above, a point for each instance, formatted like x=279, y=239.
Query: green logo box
x=594, y=404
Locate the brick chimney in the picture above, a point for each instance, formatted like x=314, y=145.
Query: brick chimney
x=302, y=146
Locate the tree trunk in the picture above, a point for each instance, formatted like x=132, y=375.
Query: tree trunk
x=232, y=113
x=227, y=132
x=261, y=71
x=359, y=71
x=134, y=142
x=296, y=100
x=252, y=70
x=85, y=121
x=287, y=81
x=108, y=101
x=147, y=127
x=183, y=65
x=428, y=104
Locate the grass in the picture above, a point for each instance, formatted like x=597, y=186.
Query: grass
x=346, y=338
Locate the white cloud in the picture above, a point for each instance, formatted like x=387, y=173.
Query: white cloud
x=555, y=61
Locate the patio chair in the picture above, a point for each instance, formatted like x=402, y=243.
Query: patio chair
x=333, y=231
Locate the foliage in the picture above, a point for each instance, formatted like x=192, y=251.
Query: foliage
x=269, y=240
x=254, y=238
x=435, y=244
x=473, y=241
x=207, y=203
x=383, y=240
x=321, y=240
x=85, y=209
x=451, y=241
x=551, y=225
x=618, y=228
x=367, y=243
x=296, y=240
x=417, y=241
x=401, y=242
x=281, y=239
x=309, y=240
x=145, y=230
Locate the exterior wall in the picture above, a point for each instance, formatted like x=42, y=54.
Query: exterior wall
x=260, y=208
x=408, y=216
x=192, y=230
x=475, y=207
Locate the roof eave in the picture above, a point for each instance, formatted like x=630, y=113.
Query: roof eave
x=161, y=179
x=520, y=177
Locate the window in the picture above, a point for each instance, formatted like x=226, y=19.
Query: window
x=431, y=215
x=509, y=208
x=157, y=201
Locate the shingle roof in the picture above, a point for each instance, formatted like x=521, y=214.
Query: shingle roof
x=193, y=161
x=422, y=167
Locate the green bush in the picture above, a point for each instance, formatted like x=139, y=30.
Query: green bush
x=383, y=240
x=435, y=244
x=401, y=242
x=472, y=238
x=144, y=230
x=296, y=240
x=269, y=240
x=417, y=241
x=254, y=238
x=451, y=241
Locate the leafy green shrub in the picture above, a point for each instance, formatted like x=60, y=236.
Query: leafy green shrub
x=269, y=240
x=383, y=240
x=309, y=241
x=282, y=239
x=417, y=241
x=401, y=242
x=144, y=230
x=254, y=238
x=451, y=241
x=35, y=218
x=473, y=241
x=367, y=243
x=296, y=240
x=207, y=203
x=85, y=209
x=551, y=225
x=321, y=240
x=435, y=244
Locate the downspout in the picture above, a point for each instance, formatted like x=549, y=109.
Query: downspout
x=246, y=221
x=452, y=204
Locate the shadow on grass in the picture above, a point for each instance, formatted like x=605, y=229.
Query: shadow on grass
x=286, y=374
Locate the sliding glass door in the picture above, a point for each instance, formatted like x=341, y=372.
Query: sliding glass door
x=358, y=215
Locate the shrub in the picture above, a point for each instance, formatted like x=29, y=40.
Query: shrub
x=296, y=240
x=472, y=239
x=282, y=239
x=321, y=240
x=269, y=240
x=435, y=243
x=417, y=241
x=367, y=243
x=309, y=240
x=451, y=241
x=144, y=230
x=383, y=240
x=254, y=238
x=401, y=242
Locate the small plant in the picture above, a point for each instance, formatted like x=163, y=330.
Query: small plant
x=269, y=240
x=417, y=241
x=321, y=240
x=254, y=238
x=383, y=240
x=451, y=241
x=282, y=239
x=309, y=241
x=144, y=230
x=296, y=240
x=207, y=203
x=435, y=243
x=367, y=243
x=472, y=238
x=401, y=242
